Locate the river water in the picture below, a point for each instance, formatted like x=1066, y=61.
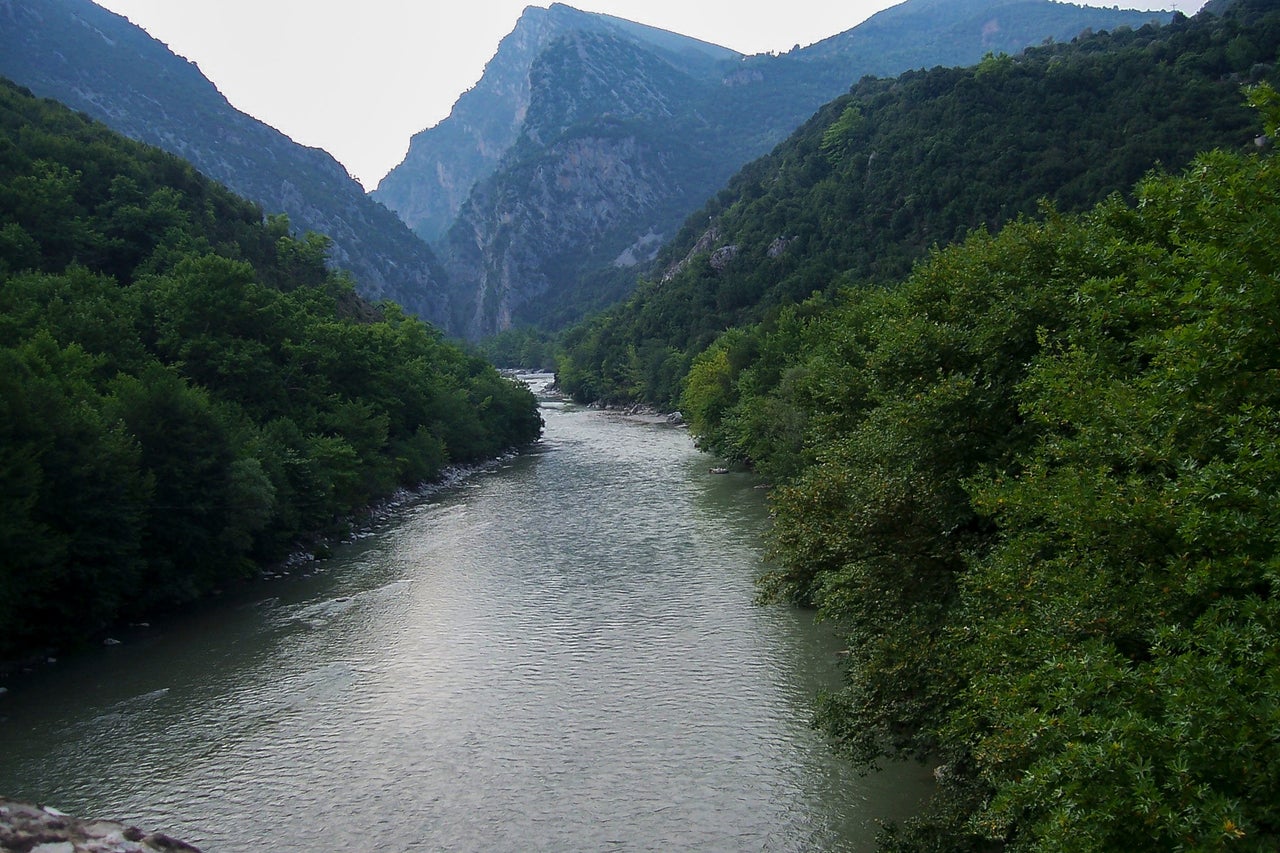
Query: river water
x=560, y=654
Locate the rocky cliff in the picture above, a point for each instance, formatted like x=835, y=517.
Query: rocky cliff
x=608, y=153
x=444, y=162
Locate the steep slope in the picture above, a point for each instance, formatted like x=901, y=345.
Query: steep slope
x=617, y=137
x=610, y=151
x=879, y=176
x=99, y=63
x=445, y=161
x=185, y=389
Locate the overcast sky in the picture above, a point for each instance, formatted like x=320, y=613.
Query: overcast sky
x=359, y=77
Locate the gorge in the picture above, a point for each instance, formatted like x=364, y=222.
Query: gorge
x=999, y=339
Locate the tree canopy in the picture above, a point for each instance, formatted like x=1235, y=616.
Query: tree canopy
x=1035, y=485
x=187, y=388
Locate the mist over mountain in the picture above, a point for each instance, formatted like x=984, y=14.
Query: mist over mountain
x=98, y=62
x=588, y=139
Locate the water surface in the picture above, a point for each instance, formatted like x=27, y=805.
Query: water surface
x=560, y=654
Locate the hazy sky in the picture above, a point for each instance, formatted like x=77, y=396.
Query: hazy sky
x=359, y=77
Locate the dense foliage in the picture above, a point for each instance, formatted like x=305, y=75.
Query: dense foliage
x=185, y=388
x=1036, y=486
x=521, y=347
x=899, y=165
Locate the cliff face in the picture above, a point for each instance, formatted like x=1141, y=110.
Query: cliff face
x=444, y=162
x=588, y=140
x=97, y=62
x=504, y=241
x=600, y=162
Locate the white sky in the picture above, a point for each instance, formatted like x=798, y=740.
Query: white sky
x=359, y=77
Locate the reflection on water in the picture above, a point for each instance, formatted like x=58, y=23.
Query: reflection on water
x=560, y=654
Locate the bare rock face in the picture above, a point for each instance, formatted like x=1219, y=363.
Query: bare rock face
x=708, y=239
x=445, y=161
x=722, y=257
x=42, y=829
x=429, y=188
x=515, y=252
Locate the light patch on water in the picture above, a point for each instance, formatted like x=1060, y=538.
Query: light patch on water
x=563, y=655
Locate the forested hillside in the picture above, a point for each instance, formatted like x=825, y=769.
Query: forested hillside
x=1036, y=487
x=98, y=62
x=878, y=177
x=185, y=388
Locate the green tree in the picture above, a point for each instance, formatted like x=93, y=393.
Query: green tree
x=186, y=388
x=74, y=498
x=1128, y=653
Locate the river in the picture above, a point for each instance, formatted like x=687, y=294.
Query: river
x=562, y=653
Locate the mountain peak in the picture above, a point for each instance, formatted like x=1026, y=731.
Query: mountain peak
x=445, y=162
x=660, y=38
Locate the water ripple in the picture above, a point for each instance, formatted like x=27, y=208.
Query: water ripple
x=564, y=655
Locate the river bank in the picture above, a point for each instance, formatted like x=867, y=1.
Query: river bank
x=562, y=653
x=549, y=389
x=42, y=829
x=306, y=553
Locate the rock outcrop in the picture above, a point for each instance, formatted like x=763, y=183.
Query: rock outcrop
x=42, y=829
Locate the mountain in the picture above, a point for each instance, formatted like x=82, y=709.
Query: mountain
x=589, y=139
x=876, y=178
x=98, y=62
x=445, y=161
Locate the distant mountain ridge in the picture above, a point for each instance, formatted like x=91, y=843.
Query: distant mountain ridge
x=589, y=139
x=560, y=174
x=445, y=161
x=98, y=62
x=1006, y=26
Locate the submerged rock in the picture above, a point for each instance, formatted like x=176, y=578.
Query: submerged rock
x=43, y=829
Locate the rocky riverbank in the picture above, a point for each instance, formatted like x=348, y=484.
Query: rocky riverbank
x=42, y=829
x=640, y=412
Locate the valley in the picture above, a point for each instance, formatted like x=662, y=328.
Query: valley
x=971, y=310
